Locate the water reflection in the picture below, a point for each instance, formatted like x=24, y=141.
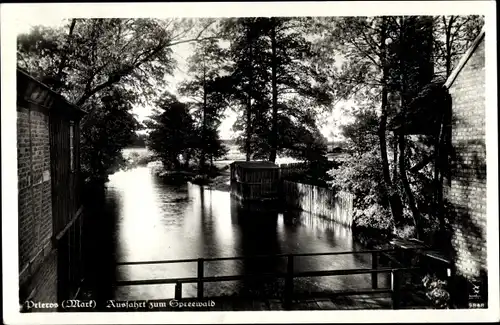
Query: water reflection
x=155, y=221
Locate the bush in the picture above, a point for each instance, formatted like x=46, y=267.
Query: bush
x=138, y=158
x=361, y=175
x=316, y=173
x=406, y=232
x=436, y=291
x=373, y=217
x=201, y=179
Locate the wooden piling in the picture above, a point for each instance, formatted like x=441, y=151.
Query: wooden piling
x=396, y=288
x=200, y=277
x=374, y=267
x=289, y=282
x=178, y=290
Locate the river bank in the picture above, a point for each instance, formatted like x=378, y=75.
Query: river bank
x=217, y=179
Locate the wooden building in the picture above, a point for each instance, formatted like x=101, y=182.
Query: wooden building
x=49, y=204
x=254, y=180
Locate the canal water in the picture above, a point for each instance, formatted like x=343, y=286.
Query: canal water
x=155, y=221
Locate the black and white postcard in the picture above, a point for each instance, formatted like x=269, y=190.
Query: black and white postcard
x=249, y=162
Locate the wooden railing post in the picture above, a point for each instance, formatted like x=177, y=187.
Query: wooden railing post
x=450, y=278
x=289, y=282
x=396, y=288
x=200, y=278
x=178, y=290
x=374, y=267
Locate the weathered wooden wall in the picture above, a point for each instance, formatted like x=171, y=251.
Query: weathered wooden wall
x=319, y=201
x=254, y=183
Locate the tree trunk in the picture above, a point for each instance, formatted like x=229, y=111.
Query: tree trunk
x=394, y=199
x=406, y=185
x=437, y=177
x=204, y=121
x=274, y=127
x=249, y=103
x=401, y=142
x=395, y=158
x=248, y=131
x=441, y=166
x=448, y=44
x=442, y=137
x=187, y=159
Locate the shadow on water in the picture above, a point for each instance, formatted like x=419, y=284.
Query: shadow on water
x=101, y=211
x=258, y=227
x=309, y=233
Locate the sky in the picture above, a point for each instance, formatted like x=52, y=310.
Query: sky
x=328, y=123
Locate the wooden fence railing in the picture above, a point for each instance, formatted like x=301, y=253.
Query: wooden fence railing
x=289, y=275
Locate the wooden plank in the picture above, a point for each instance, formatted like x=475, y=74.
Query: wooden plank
x=338, y=293
x=383, y=302
x=258, y=256
x=305, y=305
x=69, y=224
x=326, y=304
x=155, y=281
x=259, y=276
x=158, y=262
x=312, y=305
x=341, y=272
x=438, y=256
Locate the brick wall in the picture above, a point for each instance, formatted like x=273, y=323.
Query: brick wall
x=35, y=211
x=467, y=190
x=47, y=194
x=36, y=255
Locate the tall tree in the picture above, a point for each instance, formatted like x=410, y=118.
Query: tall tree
x=387, y=60
x=271, y=70
x=292, y=74
x=110, y=127
x=394, y=198
x=416, y=70
x=274, y=87
x=171, y=131
x=248, y=78
x=206, y=66
x=366, y=73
